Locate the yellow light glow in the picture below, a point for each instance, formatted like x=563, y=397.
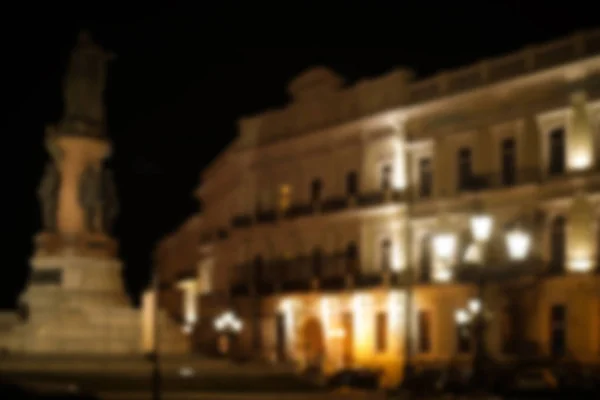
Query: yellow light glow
x=285, y=197
x=443, y=275
x=444, y=245
x=481, y=227
x=581, y=265
x=580, y=160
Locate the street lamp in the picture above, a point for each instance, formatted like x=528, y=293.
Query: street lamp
x=228, y=324
x=517, y=243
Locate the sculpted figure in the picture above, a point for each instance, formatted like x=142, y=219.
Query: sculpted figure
x=48, y=196
x=85, y=81
x=89, y=196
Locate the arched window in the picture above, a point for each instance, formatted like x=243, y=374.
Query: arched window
x=557, y=244
x=425, y=259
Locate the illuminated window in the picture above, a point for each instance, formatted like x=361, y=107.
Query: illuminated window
x=424, y=327
x=381, y=330
x=285, y=197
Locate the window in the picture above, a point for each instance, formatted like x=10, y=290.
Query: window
x=556, y=162
x=509, y=158
x=351, y=257
x=386, y=254
x=464, y=168
x=386, y=177
x=425, y=264
x=424, y=326
x=557, y=245
x=381, y=331
x=317, y=262
x=352, y=183
x=280, y=336
x=558, y=330
x=348, y=326
x=425, y=178
x=285, y=197
x=315, y=191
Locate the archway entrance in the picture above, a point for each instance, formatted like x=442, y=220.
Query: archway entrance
x=314, y=347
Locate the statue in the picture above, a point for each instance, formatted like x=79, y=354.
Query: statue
x=85, y=81
x=110, y=202
x=89, y=196
x=48, y=195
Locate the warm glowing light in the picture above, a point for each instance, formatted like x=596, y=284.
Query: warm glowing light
x=474, y=306
x=337, y=333
x=481, y=227
x=443, y=275
x=444, y=245
x=581, y=265
x=228, y=322
x=518, y=243
x=461, y=317
x=186, y=372
x=580, y=160
x=187, y=329
x=285, y=197
x=473, y=255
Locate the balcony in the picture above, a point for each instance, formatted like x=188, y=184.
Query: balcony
x=326, y=206
x=331, y=273
x=499, y=180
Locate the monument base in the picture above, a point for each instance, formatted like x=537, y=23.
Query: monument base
x=76, y=305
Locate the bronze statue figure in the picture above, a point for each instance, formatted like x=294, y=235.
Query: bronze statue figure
x=89, y=196
x=48, y=196
x=85, y=81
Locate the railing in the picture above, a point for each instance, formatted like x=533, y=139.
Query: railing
x=498, y=180
x=333, y=272
x=370, y=98
x=329, y=205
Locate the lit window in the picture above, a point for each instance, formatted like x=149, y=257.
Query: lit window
x=381, y=330
x=285, y=197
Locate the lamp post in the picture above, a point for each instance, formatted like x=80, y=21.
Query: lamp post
x=476, y=315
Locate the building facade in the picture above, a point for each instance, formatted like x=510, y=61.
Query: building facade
x=338, y=227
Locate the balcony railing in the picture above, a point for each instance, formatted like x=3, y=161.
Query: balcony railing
x=330, y=273
x=499, y=180
x=328, y=205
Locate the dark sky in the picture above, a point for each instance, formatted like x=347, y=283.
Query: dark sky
x=185, y=74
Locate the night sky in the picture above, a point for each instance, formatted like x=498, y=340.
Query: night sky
x=184, y=75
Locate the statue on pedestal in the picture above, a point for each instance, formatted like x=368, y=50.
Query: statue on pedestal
x=85, y=81
x=48, y=196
